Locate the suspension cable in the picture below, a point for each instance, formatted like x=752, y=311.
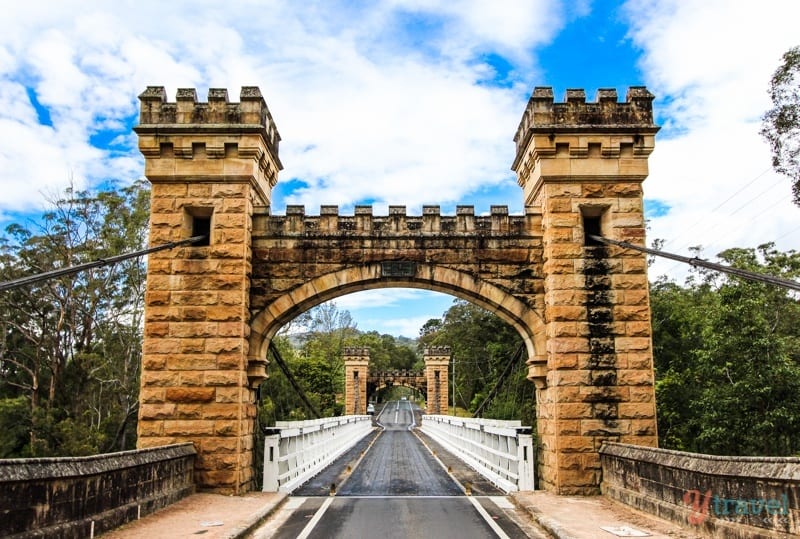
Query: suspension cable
x=694, y=261
x=506, y=371
x=276, y=355
x=30, y=279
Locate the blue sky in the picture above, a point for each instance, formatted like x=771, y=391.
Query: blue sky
x=407, y=102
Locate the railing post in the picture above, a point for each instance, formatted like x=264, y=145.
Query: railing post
x=525, y=456
x=271, y=472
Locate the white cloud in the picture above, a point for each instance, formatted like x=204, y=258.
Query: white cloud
x=365, y=112
x=710, y=63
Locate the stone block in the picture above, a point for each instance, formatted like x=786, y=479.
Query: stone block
x=152, y=395
x=226, y=314
x=160, y=379
x=232, y=329
x=645, y=431
x=193, y=329
x=188, y=411
x=635, y=377
x=226, y=428
x=225, y=378
x=219, y=444
x=641, y=361
x=563, y=313
x=638, y=410
x=605, y=427
x=564, y=250
x=154, y=362
x=574, y=411
x=231, y=394
x=230, y=360
x=222, y=411
x=150, y=427
x=149, y=412
x=632, y=344
x=190, y=394
x=190, y=378
x=228, y=344
x=567, y=345
x=181, y=427
x=200, y=362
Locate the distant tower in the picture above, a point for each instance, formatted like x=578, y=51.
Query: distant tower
x=356, y=368
x=437, y=365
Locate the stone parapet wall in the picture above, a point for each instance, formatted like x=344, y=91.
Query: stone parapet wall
x=715, y=496
x=75, y=497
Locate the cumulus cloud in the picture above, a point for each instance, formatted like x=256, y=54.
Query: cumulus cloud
x=710, y=64
x=376, y=104
x=399, y=103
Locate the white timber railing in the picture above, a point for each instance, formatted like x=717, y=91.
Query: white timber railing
x=501, y=451
x=295, y=451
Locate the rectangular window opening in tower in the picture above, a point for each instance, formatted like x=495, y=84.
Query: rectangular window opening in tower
x=201, y=226
x=593, y=223
x=198, y=223
x=591, y=227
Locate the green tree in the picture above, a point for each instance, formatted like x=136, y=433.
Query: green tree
x=781, y=124
x=78, y=334
x=727, y=356
x=481, y=344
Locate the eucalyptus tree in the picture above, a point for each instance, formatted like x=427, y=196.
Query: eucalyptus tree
x=71, y=345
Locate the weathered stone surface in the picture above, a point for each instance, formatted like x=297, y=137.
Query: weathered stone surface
x=713, y=495
x=72, y=496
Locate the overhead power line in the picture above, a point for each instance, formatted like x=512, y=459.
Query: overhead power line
x=23, y=281
x=694, y=261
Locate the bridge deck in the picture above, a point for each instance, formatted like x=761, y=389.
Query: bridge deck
x=395, y=487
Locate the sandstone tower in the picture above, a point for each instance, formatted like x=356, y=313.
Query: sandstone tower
x=437, y=365
x=582, y=165
x=210, y=165
x=356, y=369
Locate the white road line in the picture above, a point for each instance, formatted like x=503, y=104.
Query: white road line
x=488, y=518
x=314, y=521
x=399, y=497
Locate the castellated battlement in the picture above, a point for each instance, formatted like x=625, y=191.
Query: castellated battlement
x=437, y=351
x=397, y=223
x=350, y=351
x=575, y=115
x=216, y=115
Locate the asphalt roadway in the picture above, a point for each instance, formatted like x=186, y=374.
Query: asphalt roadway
x=392, y=486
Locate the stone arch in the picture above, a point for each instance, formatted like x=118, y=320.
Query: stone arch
x=326, y=287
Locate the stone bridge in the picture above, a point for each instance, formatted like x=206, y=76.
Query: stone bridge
x=212, y=308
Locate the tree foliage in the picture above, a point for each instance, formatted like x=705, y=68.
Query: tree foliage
x=482, y=344
x=75, y=335
x=781, y=124
x=727, y=358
